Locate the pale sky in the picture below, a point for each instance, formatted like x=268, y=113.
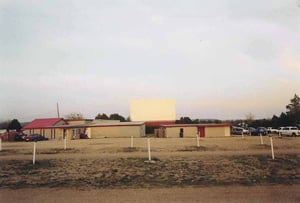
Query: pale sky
x=218, y=59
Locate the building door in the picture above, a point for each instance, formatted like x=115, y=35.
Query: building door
x=201, y=132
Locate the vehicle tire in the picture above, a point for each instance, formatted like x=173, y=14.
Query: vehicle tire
x=293, y=134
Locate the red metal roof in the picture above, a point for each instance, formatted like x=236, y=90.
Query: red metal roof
x=159, y=123
x=42, y=123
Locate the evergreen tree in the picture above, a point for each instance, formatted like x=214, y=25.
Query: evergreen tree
x=14, y=125
x=116, y=116
x=294, y=106
x=102, y=116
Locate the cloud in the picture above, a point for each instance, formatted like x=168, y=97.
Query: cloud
x=157, y=19
x=133, y=42
x=290, y=63
x=102, y=53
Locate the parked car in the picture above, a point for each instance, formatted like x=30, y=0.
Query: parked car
x=245, y=130
x=258, y=131
x=20, y=137
x=83, y=136
x=280, y=129
x=34, y=138
x=290, y=131
x=263, y=130
x=236, y=130
x=272, y=130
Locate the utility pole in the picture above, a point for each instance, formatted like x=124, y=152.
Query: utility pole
x=57, y=108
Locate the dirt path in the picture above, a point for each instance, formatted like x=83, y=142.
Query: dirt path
x=238, y=194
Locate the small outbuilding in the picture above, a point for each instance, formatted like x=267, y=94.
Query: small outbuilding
x=58, y=128
x=191, y=130
x=45, y=127
x=104, y=130
x=120, y=129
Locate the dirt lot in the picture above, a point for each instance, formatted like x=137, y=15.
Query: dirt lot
x=177, y=166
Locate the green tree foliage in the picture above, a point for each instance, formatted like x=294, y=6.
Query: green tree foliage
x=294, y=106
x=291, y=118
x=293, y=110
x=116, y=116
x=184, y=120
x=188, y=120
x=102, y=116
x=4, y=124
x=261, y=122
x=206, y=121
x=14, y=125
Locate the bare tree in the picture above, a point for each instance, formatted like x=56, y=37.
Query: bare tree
x=249, y=118
x=74, y=116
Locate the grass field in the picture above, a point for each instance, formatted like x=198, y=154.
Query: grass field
x=176, y=163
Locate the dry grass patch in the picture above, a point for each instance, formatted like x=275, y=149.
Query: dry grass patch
x=136, y=173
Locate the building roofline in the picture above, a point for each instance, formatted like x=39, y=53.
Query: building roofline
x=90, y=125
x=197, y=125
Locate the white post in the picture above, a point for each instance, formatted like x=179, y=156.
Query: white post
x=272, y=149
x=34, y=151
x=65, y=142
x=242, y=134
x=0, y=144
x=131, y=145
x=149, y=153
x=198, y=144
x=261, y=139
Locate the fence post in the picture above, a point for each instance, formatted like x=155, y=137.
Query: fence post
x=131, y=144
x=272, y=148
x=65, y=142
x=149, y=151
x=261, y=139
x=34, y=151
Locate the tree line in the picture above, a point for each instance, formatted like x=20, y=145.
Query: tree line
x=114, y=116
x=13, y=124
x=289, y=118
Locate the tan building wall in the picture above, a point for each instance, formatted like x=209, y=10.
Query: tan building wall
x=217, y=131
x=117, y=131
x=101, y=121
x=77, y=122
x=187, y=132
x=192, y=131
x=53, y=133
